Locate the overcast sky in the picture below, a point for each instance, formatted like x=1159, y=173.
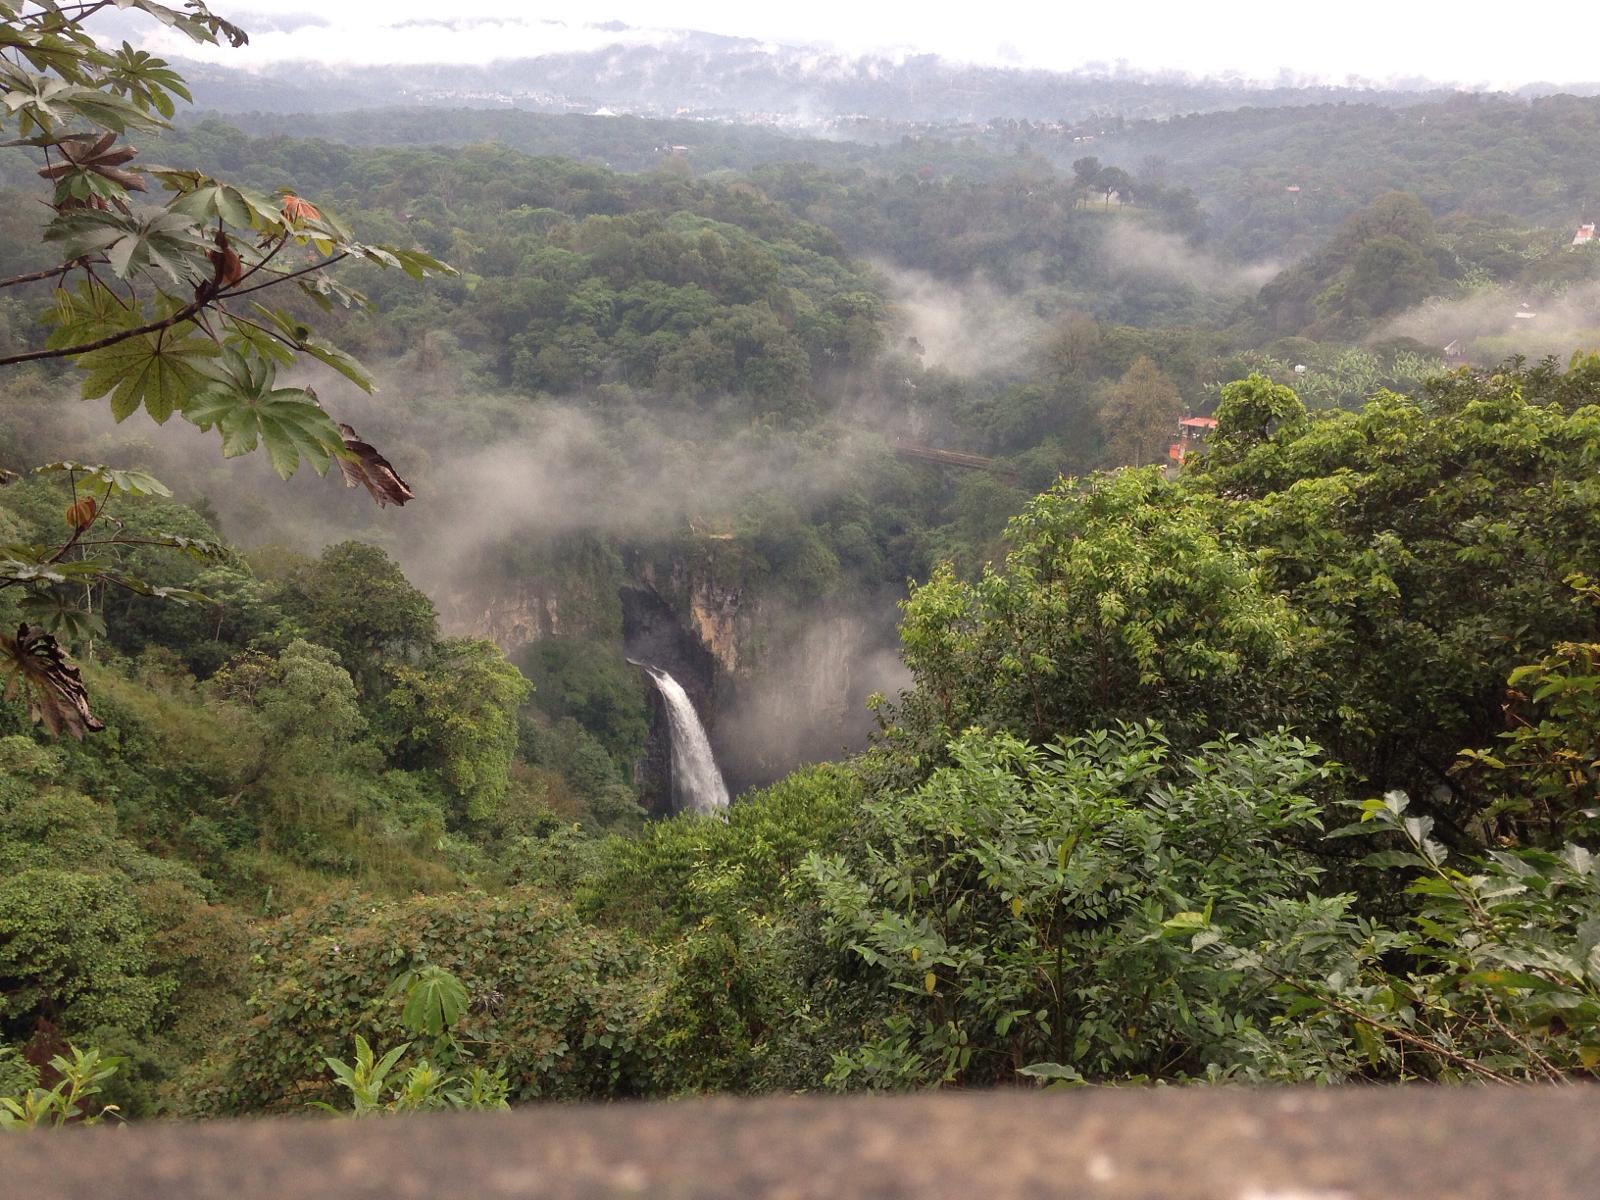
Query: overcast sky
x=1506, y=45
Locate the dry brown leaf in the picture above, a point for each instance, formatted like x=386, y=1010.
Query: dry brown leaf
x=57, y=699
x=81, y=513
x=363, y=465
x=95, y=154
x=225, y=264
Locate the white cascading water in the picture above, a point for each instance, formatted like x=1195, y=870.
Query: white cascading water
x=696, y=783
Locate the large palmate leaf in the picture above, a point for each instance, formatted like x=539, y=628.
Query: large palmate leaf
x=414, y=263
x=242, y=404
x=327, y=292
x=44, y=105
x=60, y=617
x=91, y=167
x=434, y=1000
x=158, y=370
x=340, y=360
x=208, y=200
x=200, y=26
x=146, y=80
x=144, y=237
x=64, y=51
x=325, y=352
x=32, y=563
x=133, y=483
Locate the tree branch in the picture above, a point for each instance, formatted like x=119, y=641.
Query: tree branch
x=183, y=314
x=284, y=278
x=272, y=333
x=72, y=14
x=187, y=312
x=266, y=258
x=34, y=276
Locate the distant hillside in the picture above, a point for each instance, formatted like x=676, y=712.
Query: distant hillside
x=629, y=143
x=705, y=75
x=1284, y=176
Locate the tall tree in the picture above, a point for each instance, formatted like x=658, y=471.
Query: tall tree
x=357, y=601
x=1084, y=171
x=1140, y=414
x=1114, y=181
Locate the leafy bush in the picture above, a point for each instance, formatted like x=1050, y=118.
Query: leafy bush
x=433, y=1001
x=1427, y=542
x=680, y=871
x=555, y=1004
x=1120, y=599
x=1546, y=767
x=74, y=952
x=1493, y=974
x=1018, y=906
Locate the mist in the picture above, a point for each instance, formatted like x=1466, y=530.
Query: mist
x=1139, y=252
x=495, y=474
x=971, y=327
x=485, y=468
x=808, y=703
x=1487, y=324
x=1255, y=43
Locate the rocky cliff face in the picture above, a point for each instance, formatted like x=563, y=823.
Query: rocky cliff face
x=714, y=616
x=776, y=684
x=510, y=617
x=719, y=615
x=807, y=700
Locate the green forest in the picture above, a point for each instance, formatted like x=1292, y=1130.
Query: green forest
x=1068, y=745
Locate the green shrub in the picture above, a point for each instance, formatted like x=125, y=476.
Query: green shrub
x=679, y=871
x=74, y=952
x=555, y=1004
x=1016, y=908
x=1493, y=974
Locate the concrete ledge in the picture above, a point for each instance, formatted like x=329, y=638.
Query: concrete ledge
x=1216, y=1144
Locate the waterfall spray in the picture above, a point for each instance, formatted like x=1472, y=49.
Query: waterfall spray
x=697, y=784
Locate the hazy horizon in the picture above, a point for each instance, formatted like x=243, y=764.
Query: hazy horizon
x=1371, y=44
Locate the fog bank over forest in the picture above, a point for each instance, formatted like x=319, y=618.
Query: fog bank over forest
x=548, y=472
x=1499, y=321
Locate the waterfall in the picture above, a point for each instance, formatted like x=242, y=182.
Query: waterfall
x=696, y=783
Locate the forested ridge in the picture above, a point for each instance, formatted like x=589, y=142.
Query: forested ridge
x=1264, y=754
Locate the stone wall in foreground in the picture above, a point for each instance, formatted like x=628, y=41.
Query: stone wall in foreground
x=1095, y=1144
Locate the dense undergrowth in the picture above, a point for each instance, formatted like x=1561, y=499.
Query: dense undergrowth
x=1108, y=834
x=1281, y=766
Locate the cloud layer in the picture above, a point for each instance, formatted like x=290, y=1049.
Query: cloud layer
x=1251, y=39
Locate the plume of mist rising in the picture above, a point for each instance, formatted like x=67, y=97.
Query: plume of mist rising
x=1138, y=251
x=1486, y=322
x=808, y=703
x=974, y=326
x=485, y=470
x=970, y=327
x=493, y=472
